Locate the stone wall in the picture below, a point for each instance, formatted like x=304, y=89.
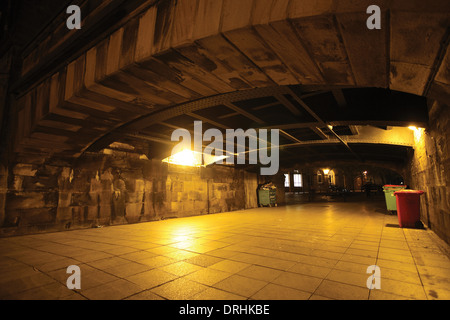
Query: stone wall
x=3, y=191
x=429, y=169
x=116, y=188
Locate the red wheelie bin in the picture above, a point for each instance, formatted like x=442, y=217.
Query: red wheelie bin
x=408, y=208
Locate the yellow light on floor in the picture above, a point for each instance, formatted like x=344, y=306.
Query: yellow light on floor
x=412, y=128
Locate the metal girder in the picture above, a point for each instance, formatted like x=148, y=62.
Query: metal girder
x=354, y=130
x=288, y=104
x=150, y=138
x=279, y=93
x=315, y=116
x=204, y=119
x=338, y=156
x=243, y=112
x=257, y=120
x=288, y=126
x=340, y=99
x=375, y=123
x=336, y=141
x=368, y=135
x=290, y=137
x=190, y=108
x=320, y=133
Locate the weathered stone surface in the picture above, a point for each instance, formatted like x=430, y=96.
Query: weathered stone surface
x=430, y=171
x=176, y=51
x=180, y=51
x=3, y=191
x=117, y=188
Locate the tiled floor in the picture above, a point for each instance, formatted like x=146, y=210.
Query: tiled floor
x=303, y=251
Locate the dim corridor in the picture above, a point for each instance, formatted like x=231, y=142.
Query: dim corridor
x=317, y=250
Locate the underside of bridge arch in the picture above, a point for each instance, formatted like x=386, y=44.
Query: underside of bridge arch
x=92, y=110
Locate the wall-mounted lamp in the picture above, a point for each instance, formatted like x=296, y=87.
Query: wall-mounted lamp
x=418, y=132
x=184, y=158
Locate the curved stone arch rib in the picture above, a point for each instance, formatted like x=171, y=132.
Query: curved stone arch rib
x=181, y=51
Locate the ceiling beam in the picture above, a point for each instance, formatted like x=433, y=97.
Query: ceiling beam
x=264, y=106
x=150, y=138
x=334, y=154
x=320, y=133
x=315, y=116
x=288, y=126
x=306, y=107
x=290, y=137
x=243, y=112
x=354, y=130
x=204, y=119
x=208, y=121
x=288, y=104
x=339, y=97
x=228, y=115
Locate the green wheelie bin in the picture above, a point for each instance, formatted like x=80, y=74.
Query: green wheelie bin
x=391, y=201
x=267, y=195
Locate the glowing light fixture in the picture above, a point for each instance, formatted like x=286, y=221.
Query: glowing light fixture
x=192, y=158
x=184, y=158
x=325, y=171
x=212, y=159
x=418, y=132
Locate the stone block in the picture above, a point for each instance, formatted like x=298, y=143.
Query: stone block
x=105, y=211
x=194, y=195
x=133, y=212
x=202, y=206
x=188, y=206
x=183, y=196
x=25, y=200
x=92, y=213
x=174, y=206
x=134, y=197
x=2, y=207
x=177, y=186
x=106, y=197
x=63, y=214
x=77, y=214
x=80, y=199
x=24, y=170
x=36, y=216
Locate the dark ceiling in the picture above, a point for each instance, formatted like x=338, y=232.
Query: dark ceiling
x=303, y=117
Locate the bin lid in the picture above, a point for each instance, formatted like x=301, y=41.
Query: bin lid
x=419, y=192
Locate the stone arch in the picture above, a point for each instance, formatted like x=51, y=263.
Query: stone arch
x=178, y=51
